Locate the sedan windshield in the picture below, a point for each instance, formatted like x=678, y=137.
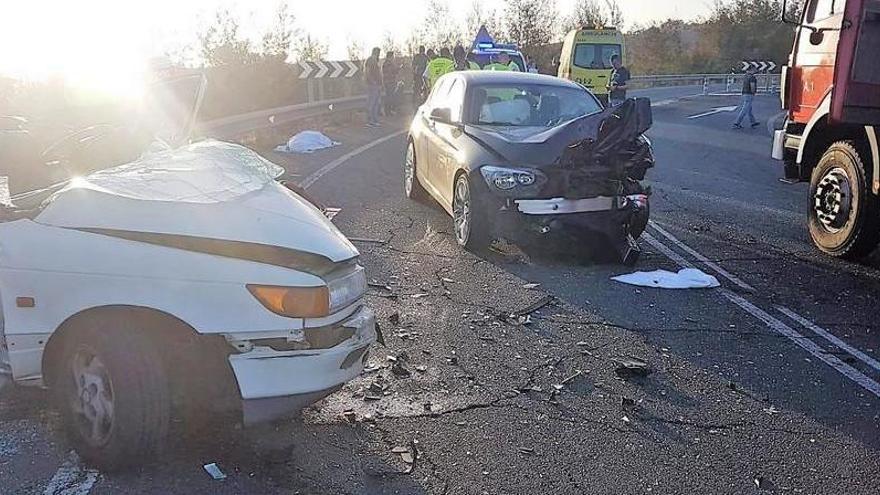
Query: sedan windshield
x=528, y=105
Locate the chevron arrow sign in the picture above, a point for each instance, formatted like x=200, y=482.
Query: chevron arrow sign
x=328, y=70
x=762, y=66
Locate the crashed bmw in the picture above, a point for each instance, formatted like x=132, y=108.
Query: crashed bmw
x=185, y=280
x=511, y=154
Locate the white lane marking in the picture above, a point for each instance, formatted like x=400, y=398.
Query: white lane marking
x=778, y=326
x=702, y=259
x=825, y=334
x=803, y=342
x=72, y=478
x=713, y=112
x=677, y=258
x=321, y=172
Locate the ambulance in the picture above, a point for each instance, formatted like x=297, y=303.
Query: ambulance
x=586, y=57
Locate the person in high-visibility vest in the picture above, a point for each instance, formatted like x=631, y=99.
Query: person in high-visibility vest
x=461, y=60
x=441, y=65
x=503, y=62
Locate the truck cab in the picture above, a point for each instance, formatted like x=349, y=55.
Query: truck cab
x=831, y=94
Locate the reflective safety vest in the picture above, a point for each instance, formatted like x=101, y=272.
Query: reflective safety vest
x=499, y=66
x=438, y=67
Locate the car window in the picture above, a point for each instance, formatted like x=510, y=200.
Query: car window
x=593, y=56
x=542, y=105
x=455, y=99
x=821, y=9
x=438, y=93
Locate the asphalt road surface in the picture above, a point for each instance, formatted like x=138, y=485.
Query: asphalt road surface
x=768, y=384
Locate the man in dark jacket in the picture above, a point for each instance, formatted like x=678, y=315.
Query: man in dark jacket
x=373, y=78
x=750, y=87
x=419, y=62
x=390, y=75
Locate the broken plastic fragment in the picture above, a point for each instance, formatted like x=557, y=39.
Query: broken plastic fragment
x=215, y=471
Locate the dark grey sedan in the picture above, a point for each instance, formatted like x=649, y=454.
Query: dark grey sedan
x=511, y=154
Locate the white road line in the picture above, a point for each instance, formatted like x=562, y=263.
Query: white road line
x=720, y=271
x=825, y=334
x=778, y=326
x=803, y=342
x=677, y=258
x=321, y=172
x=72, y=478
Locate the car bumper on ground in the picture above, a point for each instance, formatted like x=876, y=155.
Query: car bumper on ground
x=274, y=384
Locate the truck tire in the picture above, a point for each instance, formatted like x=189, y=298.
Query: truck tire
x=469, y=216
x=844, y=215
x=113, y=394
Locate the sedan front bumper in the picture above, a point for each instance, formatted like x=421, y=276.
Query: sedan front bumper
x=274, y=384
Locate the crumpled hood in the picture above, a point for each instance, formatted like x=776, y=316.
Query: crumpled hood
x=541, y=146
x=210, y=189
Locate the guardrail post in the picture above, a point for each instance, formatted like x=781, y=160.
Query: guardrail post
x=705, y=85
x=310, y=88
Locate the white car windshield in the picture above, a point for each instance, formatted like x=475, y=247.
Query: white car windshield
x=528, y=105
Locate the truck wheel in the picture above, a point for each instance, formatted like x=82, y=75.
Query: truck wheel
x=113, y=395
x=411, y=185
x=469, y=215
x=844, y=218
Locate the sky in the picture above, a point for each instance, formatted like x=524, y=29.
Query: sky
x=105, y=43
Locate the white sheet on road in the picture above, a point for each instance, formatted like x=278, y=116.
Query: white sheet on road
x=307, y=142
x=687, y=278
x=5, y=199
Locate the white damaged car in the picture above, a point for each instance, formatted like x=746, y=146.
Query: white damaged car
x=187, y=278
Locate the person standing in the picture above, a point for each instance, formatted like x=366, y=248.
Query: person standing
x=459, y=55
x=373, y=78
x=617, y=86
x=503, y=63
x=419, y=63
x=750, y=87
x=438, y=67
x=390, y=74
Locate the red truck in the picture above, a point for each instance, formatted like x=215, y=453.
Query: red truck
x=831, y=93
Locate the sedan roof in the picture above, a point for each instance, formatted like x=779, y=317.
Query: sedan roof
x=479, y=77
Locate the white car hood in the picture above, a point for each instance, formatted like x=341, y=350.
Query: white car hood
x=210, y=189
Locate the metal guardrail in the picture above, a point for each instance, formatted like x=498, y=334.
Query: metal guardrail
x=261, y=119
x=767, y=83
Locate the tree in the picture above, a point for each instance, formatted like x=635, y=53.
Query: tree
x=530, y=23
x=221, y=44
x=278, y=39
x=590, y=13
x=438, y=29
x=389, y=43
x=310, y=49
x=478, y=16
x=355, y=50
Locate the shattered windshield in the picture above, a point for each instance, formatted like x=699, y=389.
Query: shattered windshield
x=204, y=172
x=529, y=105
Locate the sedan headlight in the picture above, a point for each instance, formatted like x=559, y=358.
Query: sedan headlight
x=312, y=302
x=506, y=179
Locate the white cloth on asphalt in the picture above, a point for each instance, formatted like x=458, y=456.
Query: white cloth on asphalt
x=687, y=278
x=5, y=197
x=307, y=142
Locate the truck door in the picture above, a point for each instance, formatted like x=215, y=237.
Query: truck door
x=856, y=95
x=812, y=71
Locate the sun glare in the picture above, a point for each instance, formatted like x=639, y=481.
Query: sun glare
x=92, y=46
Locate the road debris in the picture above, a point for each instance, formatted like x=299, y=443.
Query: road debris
x=214, y=470
x=630, y=367
x=399, y=370
x=394, y=318
x=419, y=295
x=686, y=278
x=531, y=286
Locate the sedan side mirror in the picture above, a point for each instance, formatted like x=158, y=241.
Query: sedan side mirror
x=442, y=115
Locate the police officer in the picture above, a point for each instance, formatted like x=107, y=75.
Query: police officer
x=441, y=65
x=503, y=62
